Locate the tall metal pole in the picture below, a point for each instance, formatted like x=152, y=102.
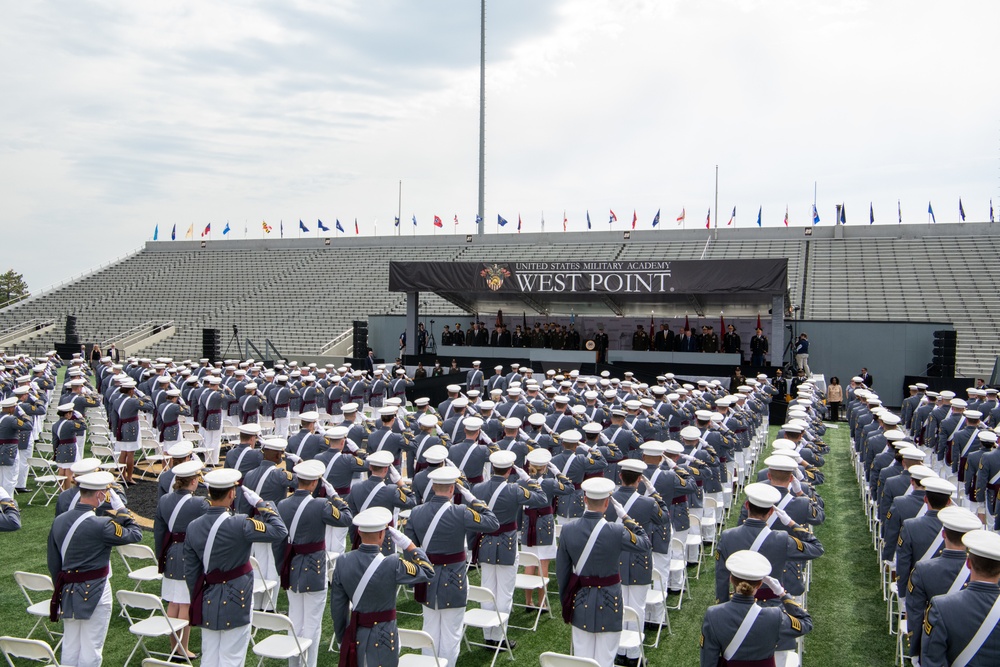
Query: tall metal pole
x=399, y=210
x=480, y=228
x=716, y=201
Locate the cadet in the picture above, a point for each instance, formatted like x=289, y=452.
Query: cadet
x=79, y=561
x=168, y=424
x=177, y=454
x=469, y=455
x=384, y=438
x=174, y=513
x=424, y=439
x=301, y=558
x=904, y=507
x=307, y=442
x=10, y=426
x=30, y=410
x=364, y=588
x=64, y=438
x=217, y=567
x=588, y=549
x=440, y=527
x=921, y=537
x=474, y=378
x=961, y=628
x=69, y=498
x=577, y=467
x=938, y=576
x=210, y=412
x=127, y=427
x=538, y=526
x=10, y=516
x=244, y=456
x=249, y=404
x=374, y=492
x=740, y=632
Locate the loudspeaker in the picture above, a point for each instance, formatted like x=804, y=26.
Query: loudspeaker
x=943, y=362
x=211, y=344
x=70, y=326
x=360, y=338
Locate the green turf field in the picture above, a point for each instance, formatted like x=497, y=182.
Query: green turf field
x=845, y=599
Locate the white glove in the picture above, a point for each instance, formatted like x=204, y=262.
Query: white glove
x=350, y=446
x=330, y=491
x=798, y=475
x=649, y=486
x=393, y=474
x=795, y=486
x=3, y=494
x=783, y=516
x=293, y=458
x=689, y=457
x=619, y=510
x=521, y=475
x=251, y=496
x=469, y=497
x=399, y=539
x=554, y=469
x=77, y=415
x=774, y=585
x=115, y=500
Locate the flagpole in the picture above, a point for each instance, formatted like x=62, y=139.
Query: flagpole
x=716, y=202
x=399, y=209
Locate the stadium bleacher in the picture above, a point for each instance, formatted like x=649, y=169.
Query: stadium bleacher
x=301, y=293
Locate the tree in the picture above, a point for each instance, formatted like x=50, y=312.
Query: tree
x=12, y=287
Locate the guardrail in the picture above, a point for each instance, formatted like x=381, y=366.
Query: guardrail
x=144, y=330
x=25, y=327
x=339, y=338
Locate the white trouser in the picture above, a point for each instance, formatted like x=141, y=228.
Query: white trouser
x=83, y=641
x=802, y=361
x=599, y=646
x=499, y=579
x=336, y=538
x=213, y=443
x=262, y=552
x=306, y=613
x=8, y=476
x=445, y=627
x=656, y=613
x=781, y=658
x=635, y=597
x=225, y=648
x=22, y=473
x=281, y=427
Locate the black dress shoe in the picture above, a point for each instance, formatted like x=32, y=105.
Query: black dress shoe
x=501, y=643
x=20, y=490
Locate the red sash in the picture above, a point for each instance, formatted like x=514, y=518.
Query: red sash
x=504, y=528
x=766, y=662
x=169, y=540
x=420, y=590
x=575, y=584
x=349, y=643
x=77, y=577
x=211, y=579
x=292, y=550
x=122, y=422
x=531, y=534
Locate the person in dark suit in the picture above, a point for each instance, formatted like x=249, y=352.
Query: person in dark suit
x=495, y=337
x=115, y=355
x=601, y=342
x=686, y=342
x=504, y=339
x=663, y=341
x=866, y=377
x=370, y=362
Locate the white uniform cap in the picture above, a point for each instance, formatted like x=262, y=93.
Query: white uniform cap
x=427, y=421
x=668, y=376
x=947, y=395
x=958, y=403
x=973, y=414
x=703, y=415
x=20, y=391
x=372, y=520
x=762, y=495
x=723, y=402
x=76, y=383
x=890, y=419
x=912, y=454
x=592, y=428
x=436, y=454
x=444, y=475
x=514, y=391
x=987, y=436
x=274, y=444
x=380, y=459
x=512, y=423
x=578, y=409
x=337, y=432
x=571, y=436
x=223, y=478
x=717, y=416
x=486, y=405
x=472, y=424
x=96, y=481
x=748, y=565
x=563, y=399
x=349, y=408
x=673, y=397
x=460, y=403
x=792, y=427
x=781, y=462
x=610, y=393
x=591, y=395
x=394, y=402
x=422, y=401
x=477, y=363
x=633, y=465
x=539, y=457
x=210, y=380
x=959, y=519
x=250, y=429
x=647, y=402
x=633, y=405
x=453, y=388
x=596, y=488
x=536, y=419
x=921, y=385
x=503, y=459
x=309, y=470
x=309, y=416
x=672, y=447
x=66, y=407
x=983, y=543
x=173, y=392
x=498, y=367
x=938, y=485
x=83, y=466
x=188, y=468
x=652, y=448
x=894, y=435
x=180, y=450
x=387, y=411
x=920, y=472
x=691, y=432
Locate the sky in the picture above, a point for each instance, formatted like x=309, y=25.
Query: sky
x=121, y=117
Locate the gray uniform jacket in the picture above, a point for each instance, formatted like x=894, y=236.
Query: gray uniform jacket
x=951, y=622
x=128, y=417
x=636, y=569
x=389, y=496
x=774, y=626
x=895, y=485
x=89, y=550
x=927, y=580
x=538, y=525
x=902, y=508
x=270, y=483
x=916, y=537
x=169, y=427
x=341, y=466
x=10, y=428
x=64, y=435
x=227, y=605
x=305, y=545
x=383, y=439
x=170, y=529
x=474, y=463
x=244, y=458
x=10, y=517
x=499, y=547
x=305, y=445
x=780, y=549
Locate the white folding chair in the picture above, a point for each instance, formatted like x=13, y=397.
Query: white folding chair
x=38, y=583
x=142, y=553
x=631, y=639
x=694, y=547
x=531, y=582
x=550, y=659
x=679, y=565
x=29, y=649
x=153, y=662
x=150, y=455
x=278, y=646
x=267, y=587
x=657, y=594
x=419, y=640
x=158, y=624
x=108, y=462
x=483, y=619
x=47, y=479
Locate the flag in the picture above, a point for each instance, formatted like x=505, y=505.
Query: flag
x=871, y=213
x=479, y=219
x=319, y=223
x=680, y=218
x=687, y=324
x=208, y=229
x=732, y=217
x=708, y=219
x=281, y=228
x=518, y=223
x=758, y=321
x=634, y=218
x=899, y=209
x=651, y=334
x=843, y=214
x=930, y=212
x=456, y=219
x=786, y=215
x=759, y=211
x=414, y=220
x=656, y=218
x=397, y=221
x=565, y=220
x=173, y=232
x=722, y=325
x=156, y=232
x=437, y=221
x=991, y=210
x=357, y=232
x=190, y=232
x=815, y=215
x=961, y=211
x=543, y=221
x=588, y=219
x=613, y=218
x=226, y=230
x=501, y=221
x=303, y=227
x=339, y=227
x=266, y=227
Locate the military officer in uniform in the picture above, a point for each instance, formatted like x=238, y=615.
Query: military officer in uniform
x=210, y=413
x=364, y=588
x=79, y=561
x=741, y=632
x=921, y=537
x=217, y=567
x=376, y=492
x=10, y=426
x=10, y=515
x=245, y=456
x=589, y=549
x=339, y=469
x=307, y=442
x=64, y=438
x=440, y=527
x=474, y=378
x=301, y=558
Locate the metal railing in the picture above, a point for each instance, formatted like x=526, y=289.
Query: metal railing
x=338, y=339
x=145, y=329
x=26, y=327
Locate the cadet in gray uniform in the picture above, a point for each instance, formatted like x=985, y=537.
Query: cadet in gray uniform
x=174, y=513
x=740, y=632
x=217, y=567
x=939, y=576
x=10, y=515
x=902, y=508
x=589, y=549
x=301, y=559
x=364, y=588
x=307, y=442
x=79, y=560
x=64, y=438
x=920, y=538
x=374, y=492
x=440, y=527
x=244, y=456
x=10, y=426
x=960, y=629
